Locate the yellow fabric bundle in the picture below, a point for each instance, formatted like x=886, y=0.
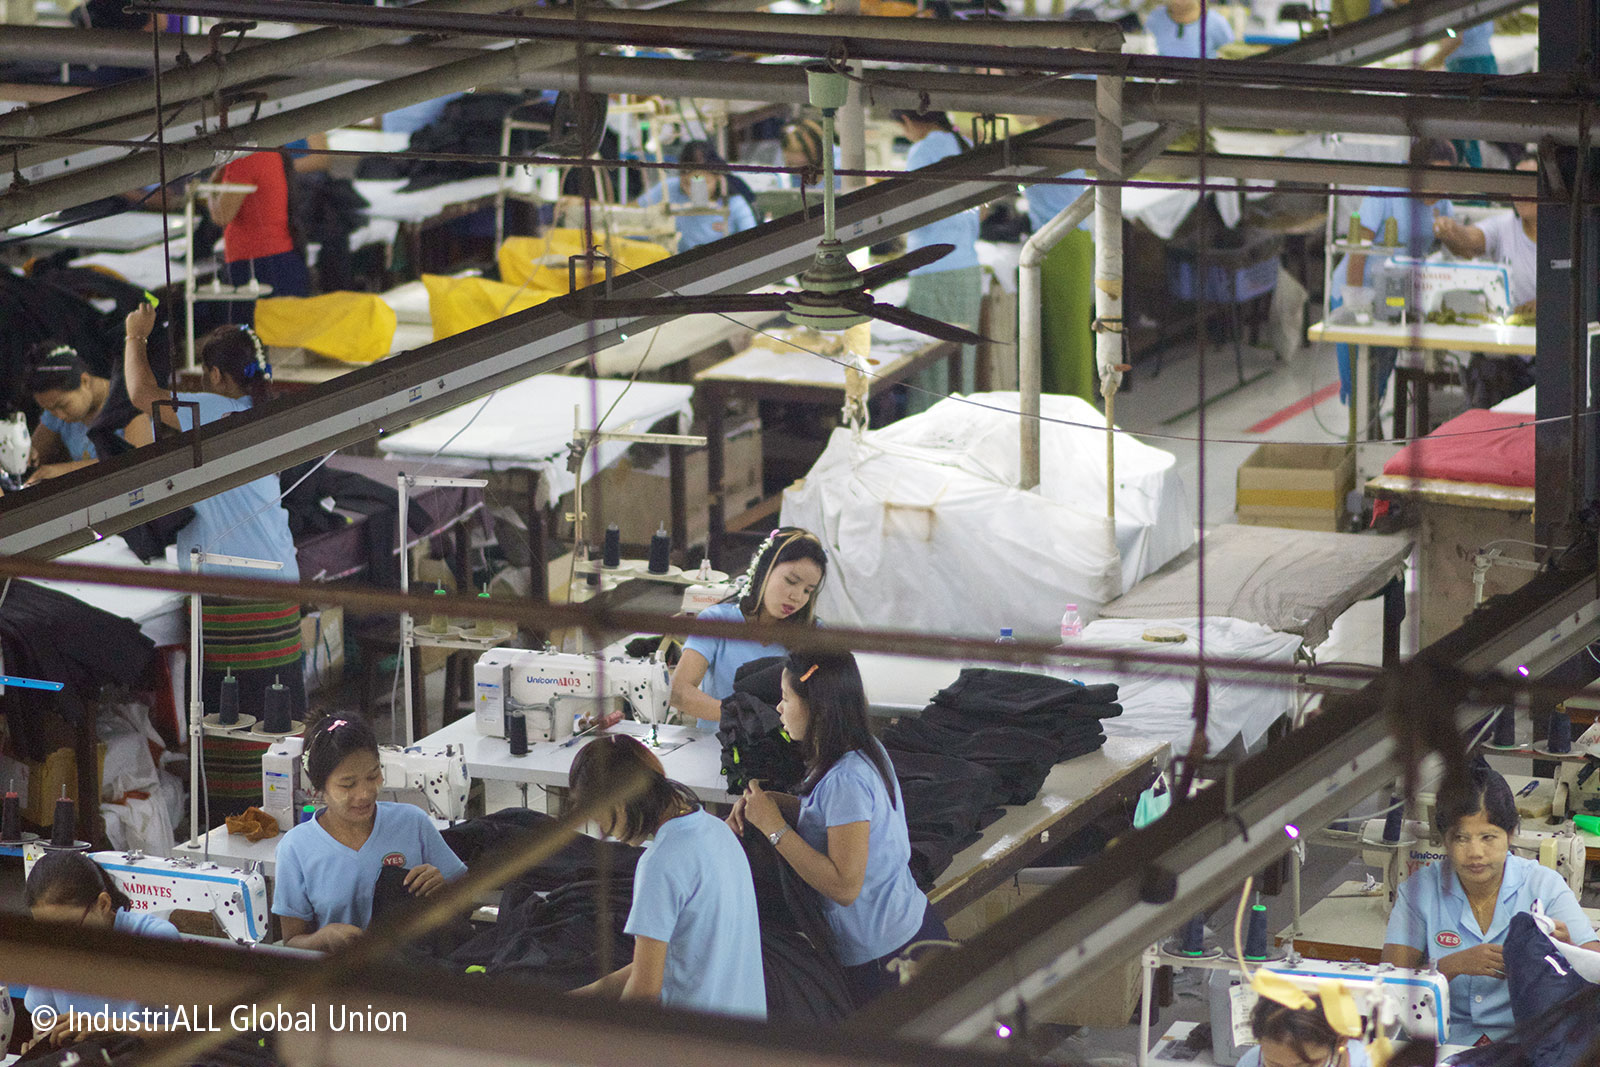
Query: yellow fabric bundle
x=349, y=327
x=542, y=261
x=460, y=304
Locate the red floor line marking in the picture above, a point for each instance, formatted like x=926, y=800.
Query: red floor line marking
x=1299, y=407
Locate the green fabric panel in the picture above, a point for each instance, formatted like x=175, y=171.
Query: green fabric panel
x=1067, y=289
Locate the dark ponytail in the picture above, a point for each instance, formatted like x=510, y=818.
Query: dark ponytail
x=607, y=760
x=53, y=366
x=830, y=685
x=939, y=120
x=331, y=740
x=237, y=352
x=71, y=879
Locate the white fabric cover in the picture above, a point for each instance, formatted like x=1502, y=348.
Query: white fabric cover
x=143, y=821
x=926, y=530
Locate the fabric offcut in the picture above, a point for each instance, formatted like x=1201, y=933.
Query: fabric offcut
x=349, y=327
x=1484, y=447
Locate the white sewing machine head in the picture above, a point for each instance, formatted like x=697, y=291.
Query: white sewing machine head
x=520, y=678
x=440, y=775
x=1416, y=1001
x=15, y=441
x=238, y=899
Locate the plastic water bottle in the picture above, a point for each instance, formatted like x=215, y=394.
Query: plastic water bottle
x=1005, y=636
x=1071, y=625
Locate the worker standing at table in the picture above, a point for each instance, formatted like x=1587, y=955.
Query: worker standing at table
x=258, y=241
x=1453, y=914
x=951, y=289
x=1414, y=237
x=1176, y=29
x=781, y=586
x=1511, y=240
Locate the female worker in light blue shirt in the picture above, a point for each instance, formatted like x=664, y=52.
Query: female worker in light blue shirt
x=949, y=289
x=850, y=841
x=726, y=199
x=1298, y=1037
x=1176, y=29
x=1453, y=914
x=780, y=587
x=696, y=932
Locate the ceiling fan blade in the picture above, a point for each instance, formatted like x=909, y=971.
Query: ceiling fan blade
x=912, y=320
x=900, y=267
x=721, y=303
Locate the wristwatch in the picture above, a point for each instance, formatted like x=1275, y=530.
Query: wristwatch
x=777, y=835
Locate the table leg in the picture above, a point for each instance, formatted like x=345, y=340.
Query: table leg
x=1422, y=405
x=1363, y=392
x=1403, y=381
x=715, y=461
x=538, y=583
x=1394, y=613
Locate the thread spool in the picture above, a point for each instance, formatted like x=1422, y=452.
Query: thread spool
x=64, y=831
x=611, y=550
x=10, y=817
x=1392, y=822
x=517, y=733
x=1194, y=937
x=660, y=551
x=438, y=622
x=228, y=704
x=1505, y=729
x=275, y=708
x=485, y=627
x=1589, y=824
x=1559, y=738
x=1255, y=942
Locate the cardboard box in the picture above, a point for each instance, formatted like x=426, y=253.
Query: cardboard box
x=1298, y=486
x=1108, y=1001
x=322, y=647
x=45, y=779
x=639, y=500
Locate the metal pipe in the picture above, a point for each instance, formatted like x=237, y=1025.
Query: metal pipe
x=1108, y=269
x=212, y=73
x=136, y=171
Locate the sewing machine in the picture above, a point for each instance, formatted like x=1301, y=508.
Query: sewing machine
x=1415, y=287
x=238, y=899
x=1416, y=1002
x=15, y=443
x=528, y=680
x=440, y=775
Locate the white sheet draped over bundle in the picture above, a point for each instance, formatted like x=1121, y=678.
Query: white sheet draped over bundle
x=926, y=529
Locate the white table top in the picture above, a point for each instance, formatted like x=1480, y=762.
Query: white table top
x=125, y=232
x=892, y=346
x=1492, y=340
x=697, y=764
x=148, y=267
x=386, y=201
x=529, y=424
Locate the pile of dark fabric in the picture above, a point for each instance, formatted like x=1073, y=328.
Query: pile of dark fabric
x=1557, y=1011
x=324, y=503
x=549, y=928
x=49, y=635
x=327, y=210
x=754, y=744
x=36, y=310
x=998, y=733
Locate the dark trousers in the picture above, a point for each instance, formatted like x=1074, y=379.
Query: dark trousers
x=869, y=981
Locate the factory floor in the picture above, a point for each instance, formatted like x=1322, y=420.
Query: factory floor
x=1293, y=396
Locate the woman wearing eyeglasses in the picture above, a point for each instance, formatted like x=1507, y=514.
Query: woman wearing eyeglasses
x=1298, y=1037
x=71, y=888
x=849, y=840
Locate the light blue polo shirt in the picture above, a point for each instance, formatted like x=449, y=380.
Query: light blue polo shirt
x=1432, y=915
x=693, y=890
x=1182, y=40
x=1045, y=202
x=1476, y=41
x=725, y=655
x=697, y=230
x=124, y=922
x=323, y=881
x=890, y=908
x=74, y=436
x=247, y=520
x=960, y=229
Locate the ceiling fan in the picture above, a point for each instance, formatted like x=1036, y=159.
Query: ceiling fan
x=833, y=294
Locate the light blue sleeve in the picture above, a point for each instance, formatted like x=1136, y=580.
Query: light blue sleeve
x=1373, y=210
x=1218, y=33
x=212, y=407
x=652, y=195
x=1559, y=903
x=843, y=797
x=658, y=899
x=290, y=897
x=1408, y=925
x=434, y=850
x=1251, y=1057
x=710, y=647
x=740, y=217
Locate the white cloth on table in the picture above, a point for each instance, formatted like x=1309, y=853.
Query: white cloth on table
x=386, y=200
x=161, y=615
x=529, y=425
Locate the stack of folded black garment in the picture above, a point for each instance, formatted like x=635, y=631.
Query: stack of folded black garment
x=754, y=744
x=995, y=734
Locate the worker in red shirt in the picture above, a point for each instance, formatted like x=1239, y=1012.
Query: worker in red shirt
x=256, y=239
